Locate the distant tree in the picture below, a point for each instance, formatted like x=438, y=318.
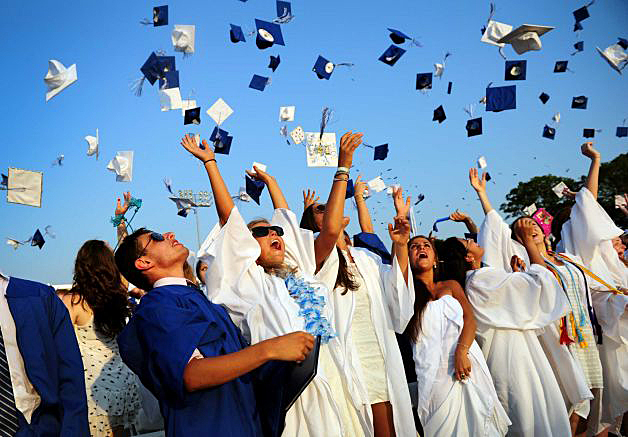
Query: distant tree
x=613, y=180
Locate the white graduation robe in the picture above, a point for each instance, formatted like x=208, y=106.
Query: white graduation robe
x=509, y=308
x=446, y=406
x=392, y=306
x=261, y=306
x=495, y=237
x=588, y=234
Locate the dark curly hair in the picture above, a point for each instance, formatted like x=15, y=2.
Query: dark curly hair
x=98, y=283
x=344, y=278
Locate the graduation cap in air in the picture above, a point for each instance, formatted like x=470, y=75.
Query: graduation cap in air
x=588, y=133
x=219, y=111
x=259, y=82
x=58, y=78
x=168, y=80
x=501, y=98
x=582, y=14
x=449, y=88
x=544, y=98
x=474, y=127
x=350, y=189
x=324, y=68
x=160, y=15
x=482, y=162
x=58, y=160
x=122, y=166
x=560, y=66
x=398, y=37
x=286, y=113
x=268, y=34
x=494, y=32
x=424, y=81
x=92, y=144
x=579, y=46
x=615, y=55
x=24, y=187
x=284, y=12
x=254, y=188
x=184, y=205
x=37, y=239
x=192, y=116
x=549, y=132
x=274, y=62
x=380, y=152
x=579, y=102
x=392, y=55
x=439, y=114
x=183, y=36
x=525, y=38
x=236, y=34
x=154, y=68
x=622, y=131
x=488, y=177
x=222, y=141
x=515, y=70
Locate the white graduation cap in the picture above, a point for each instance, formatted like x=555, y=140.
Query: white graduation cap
x=391, y=189
x=259, y=165
x=297, y=135
x=183, y=38
x=559, y=188
x=92, y=144
x=286, y=113
x=525, y=38
x=24, y=187
x=184, y=204
x=170, y=98
x=14, y=243
x=122, y=165
x=482, y=162
x=377, y=184
x=58, y=78
x=219, y=111
x=530, y=209
x=321, y=151
x=494, y=32
x=616, y=57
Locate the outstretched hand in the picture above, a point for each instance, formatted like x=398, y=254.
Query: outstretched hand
x=259, y=175
x=402, y=208
x=309, y=198
x=348, y=143
x=203, y=154
x=400, y=233
x=458, y=216
x=121, y=209
x=589, y=151
x=360, y=187
x=477, y=182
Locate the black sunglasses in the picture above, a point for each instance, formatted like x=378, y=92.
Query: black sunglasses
x=262, y=231
x=154, y=236
x=320, y=208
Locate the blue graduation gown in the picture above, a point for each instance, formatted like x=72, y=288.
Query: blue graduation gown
x=52, y=360
x=157, y=343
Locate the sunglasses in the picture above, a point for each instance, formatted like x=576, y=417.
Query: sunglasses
x=320, y=208
x=262, y=231
x=154, y=236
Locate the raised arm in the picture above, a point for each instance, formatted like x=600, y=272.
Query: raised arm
x=279, y=201
x=400, y=235
x=364, y=217
x=121, y=209
x=334, y=210
x=524, y=230
x=222, y=198
x=458, y=216
x=594, y=169
x=479, y=185
x=309, y=198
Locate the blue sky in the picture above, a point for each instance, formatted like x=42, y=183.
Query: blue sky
x=109, y=45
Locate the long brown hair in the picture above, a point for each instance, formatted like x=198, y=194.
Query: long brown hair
x=344, y=278
x=98, y=283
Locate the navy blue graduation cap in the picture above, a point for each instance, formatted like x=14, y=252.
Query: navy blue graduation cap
x=222, y=141
x=236, y=34
x=160, y=15
x=350, y=189
x=392, y=55
x=284, y=9
x=323, y=68
x=439, y=114
x=622, y=131
x=268, y=34
x=560, y=66
x=623, y=43
x=588, y=133
x=582, y=13
x=501, y=98
x=254, y=188
x=372, y=243
x=579, y=102
x=258, y=82
x=397, y=36
x=444, y=219
x=449, y=88
x=544, y=98
x=549, y=132
x=579, y=46
x=192, y=116
x=474, y=127
x=380, y=152
x=424, y=81
x=152, y=68
x=38, y=239
x=169, y=79
x=515, y=70
x=488, y=177
x=274, y=62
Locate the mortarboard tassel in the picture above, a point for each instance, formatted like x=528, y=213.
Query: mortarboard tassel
x=285, y=17
x=146, y=22
x=136, y=86
x=327, y=113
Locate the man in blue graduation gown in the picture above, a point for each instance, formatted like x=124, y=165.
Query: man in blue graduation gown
x=186, y=350
x=42, y=386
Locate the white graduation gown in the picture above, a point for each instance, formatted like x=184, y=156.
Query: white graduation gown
x=495, y=237
x=588, y=234
x=261, y=306
x=446, y=406
x=509, y=308
x=392, y=306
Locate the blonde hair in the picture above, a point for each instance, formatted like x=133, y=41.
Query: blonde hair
x=284, y=269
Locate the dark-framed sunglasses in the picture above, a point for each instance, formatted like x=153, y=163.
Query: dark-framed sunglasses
x=154, y=236
x=262, y=231
x=320, y=208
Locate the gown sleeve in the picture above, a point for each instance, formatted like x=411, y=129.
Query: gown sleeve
x=398, y=296
x=499, y=247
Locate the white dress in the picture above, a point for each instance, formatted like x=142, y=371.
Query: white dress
x=113, y=398
x=391, y=306
x=261, y=306
x=509, y=308
x=588, y=234
x=499, y=247
x=448, y=407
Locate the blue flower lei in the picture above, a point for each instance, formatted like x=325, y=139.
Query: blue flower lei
x=311, y=307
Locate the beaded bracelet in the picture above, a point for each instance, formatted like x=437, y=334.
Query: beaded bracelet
x=209, y=160
x=117, y=220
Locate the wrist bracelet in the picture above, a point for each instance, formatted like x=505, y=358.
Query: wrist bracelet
x=209, y=160
x=463, y=345
x=340, y=180
x=343, y=169
x=340, y=173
